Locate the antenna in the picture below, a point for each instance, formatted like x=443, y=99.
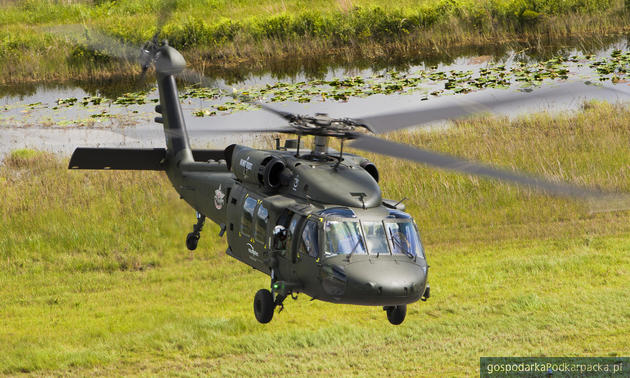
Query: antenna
x=340, y=154
x=361, y=197
x=401, y=201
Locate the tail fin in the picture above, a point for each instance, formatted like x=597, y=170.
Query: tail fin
x=172, y=116
x=170, y=62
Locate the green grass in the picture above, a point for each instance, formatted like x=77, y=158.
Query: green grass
x=221, y=36
x=95, y=278
x=539, y=299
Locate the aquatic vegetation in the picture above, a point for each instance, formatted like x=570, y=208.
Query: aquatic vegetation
x=424, y=82
x=201, y=92
x=204, y=113
x=434, y=82
x=67, y=101
x=137, y=98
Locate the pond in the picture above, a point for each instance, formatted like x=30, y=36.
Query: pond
x=59, y=118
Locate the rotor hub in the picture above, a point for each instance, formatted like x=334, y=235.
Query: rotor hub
x=322, y=125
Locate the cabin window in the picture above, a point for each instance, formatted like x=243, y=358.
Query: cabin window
x=248, y=215
x=262, y=217
x=310, y=239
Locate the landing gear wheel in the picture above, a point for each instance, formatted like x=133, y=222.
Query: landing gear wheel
x=193, y=238
x=264, y=306
x=191, y=241
x=396, y=314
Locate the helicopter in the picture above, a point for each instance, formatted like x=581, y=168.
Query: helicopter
x=313, y=220
x=340, y=243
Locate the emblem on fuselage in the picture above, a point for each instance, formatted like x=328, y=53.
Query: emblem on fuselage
x=247, y=166
x=251, y=250
x=296, y=183
x=219, y=198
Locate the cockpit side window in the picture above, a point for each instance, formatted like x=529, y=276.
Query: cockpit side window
x=309, y=244
x=248, y=215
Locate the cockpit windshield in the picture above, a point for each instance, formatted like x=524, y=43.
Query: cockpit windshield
x=404, y=238
x=345, y=234
x=376, y=238
x=343, y=237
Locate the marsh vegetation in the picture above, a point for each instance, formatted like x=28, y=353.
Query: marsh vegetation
x=44, y=40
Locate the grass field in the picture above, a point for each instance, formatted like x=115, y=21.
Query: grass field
x=95, y=278
x=228, y=37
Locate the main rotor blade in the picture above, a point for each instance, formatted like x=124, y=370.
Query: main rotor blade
x=199, y=133
x=600, y=201
x=449, y=108
x=197, y=78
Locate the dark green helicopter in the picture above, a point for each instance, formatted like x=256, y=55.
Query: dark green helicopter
x=313, y=220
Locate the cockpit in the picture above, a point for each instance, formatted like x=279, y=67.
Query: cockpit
x=374, y=254
x=345, y=234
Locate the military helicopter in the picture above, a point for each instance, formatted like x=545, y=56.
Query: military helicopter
x=314, y=220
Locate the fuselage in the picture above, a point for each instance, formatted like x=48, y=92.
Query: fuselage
x=345, y=244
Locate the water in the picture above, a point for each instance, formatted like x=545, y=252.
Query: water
x=33, y=117
x=298, y=70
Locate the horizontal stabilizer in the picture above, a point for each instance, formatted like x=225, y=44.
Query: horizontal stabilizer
x=150, y=159
x=147, y=159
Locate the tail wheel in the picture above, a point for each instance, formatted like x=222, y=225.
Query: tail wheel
x=264, y=306
x=396, y=314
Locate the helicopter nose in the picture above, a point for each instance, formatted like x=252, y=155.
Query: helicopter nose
x=386, y=282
